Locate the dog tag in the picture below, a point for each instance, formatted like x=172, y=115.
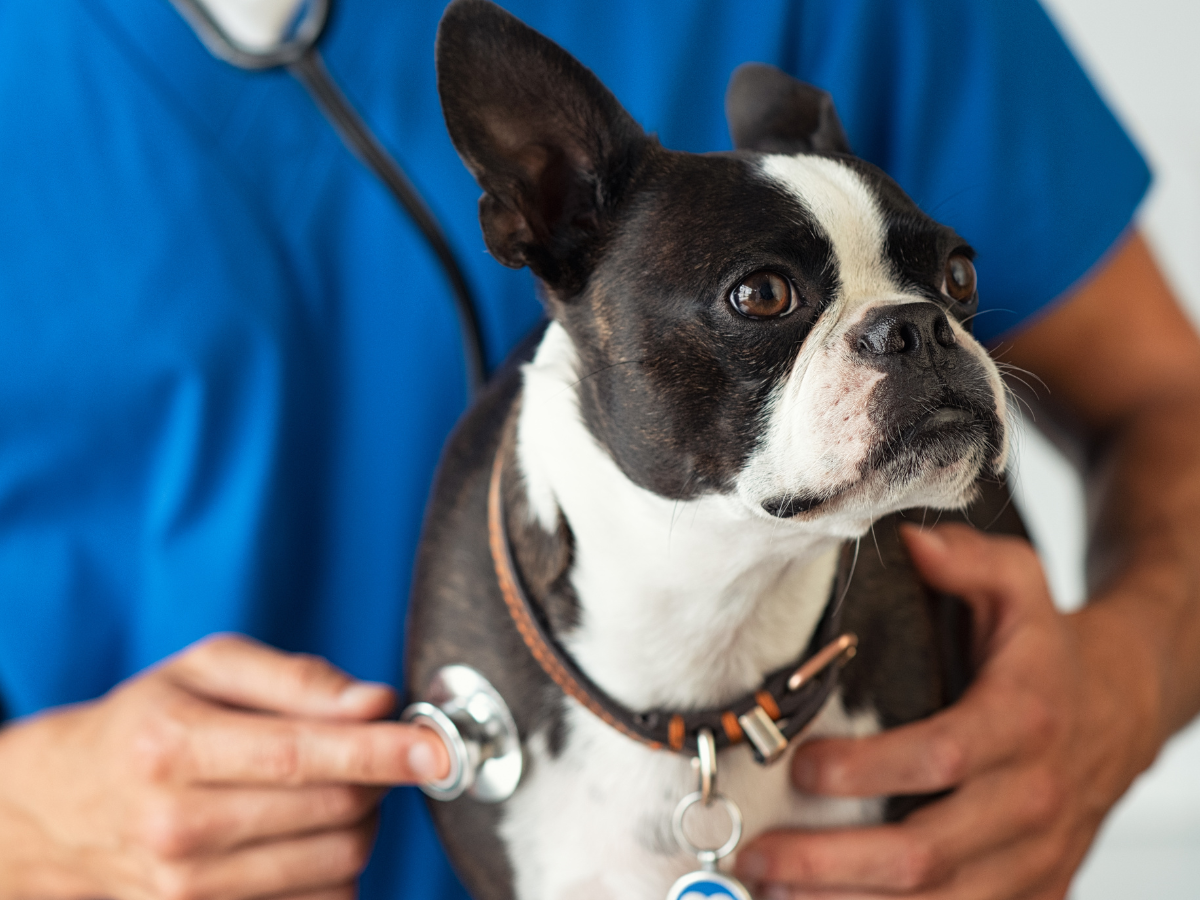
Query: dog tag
x=706, y=885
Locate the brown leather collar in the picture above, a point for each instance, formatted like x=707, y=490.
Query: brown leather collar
x=788, y=699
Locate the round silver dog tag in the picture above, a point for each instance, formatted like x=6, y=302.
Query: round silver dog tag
x=474, y=723
x=708, y=886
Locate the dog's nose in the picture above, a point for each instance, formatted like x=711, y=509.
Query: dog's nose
x=920, y=329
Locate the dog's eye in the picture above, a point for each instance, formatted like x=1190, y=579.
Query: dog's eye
x=763, y=295
x=960, y=278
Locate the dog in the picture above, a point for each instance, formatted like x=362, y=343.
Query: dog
x=751, y=359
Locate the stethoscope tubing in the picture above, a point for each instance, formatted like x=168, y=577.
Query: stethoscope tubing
x=310, y=71
x=299, y=55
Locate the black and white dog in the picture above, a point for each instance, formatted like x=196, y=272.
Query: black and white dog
x=751, y=358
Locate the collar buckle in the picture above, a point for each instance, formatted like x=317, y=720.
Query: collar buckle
x=763, y=734
x=758, y=725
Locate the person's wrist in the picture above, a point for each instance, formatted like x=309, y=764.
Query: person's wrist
x=1124, y=705
x=32, y=864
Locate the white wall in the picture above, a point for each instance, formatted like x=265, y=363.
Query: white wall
x=1143, y=56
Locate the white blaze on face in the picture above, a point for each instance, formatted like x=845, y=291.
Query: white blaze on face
x=819, y=429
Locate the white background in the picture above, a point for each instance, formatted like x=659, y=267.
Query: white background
x=1144, y=57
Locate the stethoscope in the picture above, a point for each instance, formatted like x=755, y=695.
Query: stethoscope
x=297, y=52
x=459, y=704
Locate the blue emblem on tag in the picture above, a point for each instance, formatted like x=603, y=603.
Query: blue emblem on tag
x=707, y=886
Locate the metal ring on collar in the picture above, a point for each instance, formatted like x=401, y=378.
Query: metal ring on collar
x=457, y=780
x=706, y=756
x=735, y=832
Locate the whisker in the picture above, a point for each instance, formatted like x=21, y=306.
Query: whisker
x=1008, y=501
x=621, y=362
x=1011, y=369
x=982, y=312
x=878, y=550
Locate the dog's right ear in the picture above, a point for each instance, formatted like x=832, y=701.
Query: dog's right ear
x=548, y=143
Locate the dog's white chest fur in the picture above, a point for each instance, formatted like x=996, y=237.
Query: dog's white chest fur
x=682, y=605
x=594, y=822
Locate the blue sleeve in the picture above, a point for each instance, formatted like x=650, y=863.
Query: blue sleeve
x=982, y=114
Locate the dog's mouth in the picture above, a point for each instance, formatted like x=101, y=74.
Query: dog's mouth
x=958, y=437
x=794, y=505
x=950, y=433
x=940, y=423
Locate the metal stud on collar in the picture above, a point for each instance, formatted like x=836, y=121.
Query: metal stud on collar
x=839, y=651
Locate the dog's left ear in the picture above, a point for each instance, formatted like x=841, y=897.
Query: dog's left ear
x=770, y=111
x=549, y=144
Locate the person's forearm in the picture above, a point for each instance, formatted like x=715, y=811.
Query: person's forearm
x=1144, y=561
x=1116, y=384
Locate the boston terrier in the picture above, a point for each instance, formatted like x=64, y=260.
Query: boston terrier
x=645, y=533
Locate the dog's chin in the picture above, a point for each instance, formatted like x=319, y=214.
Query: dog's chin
x=935, y=462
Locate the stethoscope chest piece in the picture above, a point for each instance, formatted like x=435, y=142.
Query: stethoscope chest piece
x=480, y=735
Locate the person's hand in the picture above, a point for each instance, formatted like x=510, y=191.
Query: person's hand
x=231, y=771
x=1052, y=731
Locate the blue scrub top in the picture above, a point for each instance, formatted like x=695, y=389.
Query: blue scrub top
x=228, y=362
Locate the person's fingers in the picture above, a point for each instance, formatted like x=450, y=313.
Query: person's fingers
x=879, y=858
x=195, y=742
x=1039, y=866
x=984, y=816
x=198, y=821
x=328, y=861
x=994, y=889
x=983, y=730
x=983, y=569
x=923, y=852
x=1034, y=868
x=238, y=671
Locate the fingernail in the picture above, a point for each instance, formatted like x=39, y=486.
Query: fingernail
x=361, y=694
x=424, y=762
x=751, y=865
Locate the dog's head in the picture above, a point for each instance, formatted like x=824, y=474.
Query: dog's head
x=780, y=323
